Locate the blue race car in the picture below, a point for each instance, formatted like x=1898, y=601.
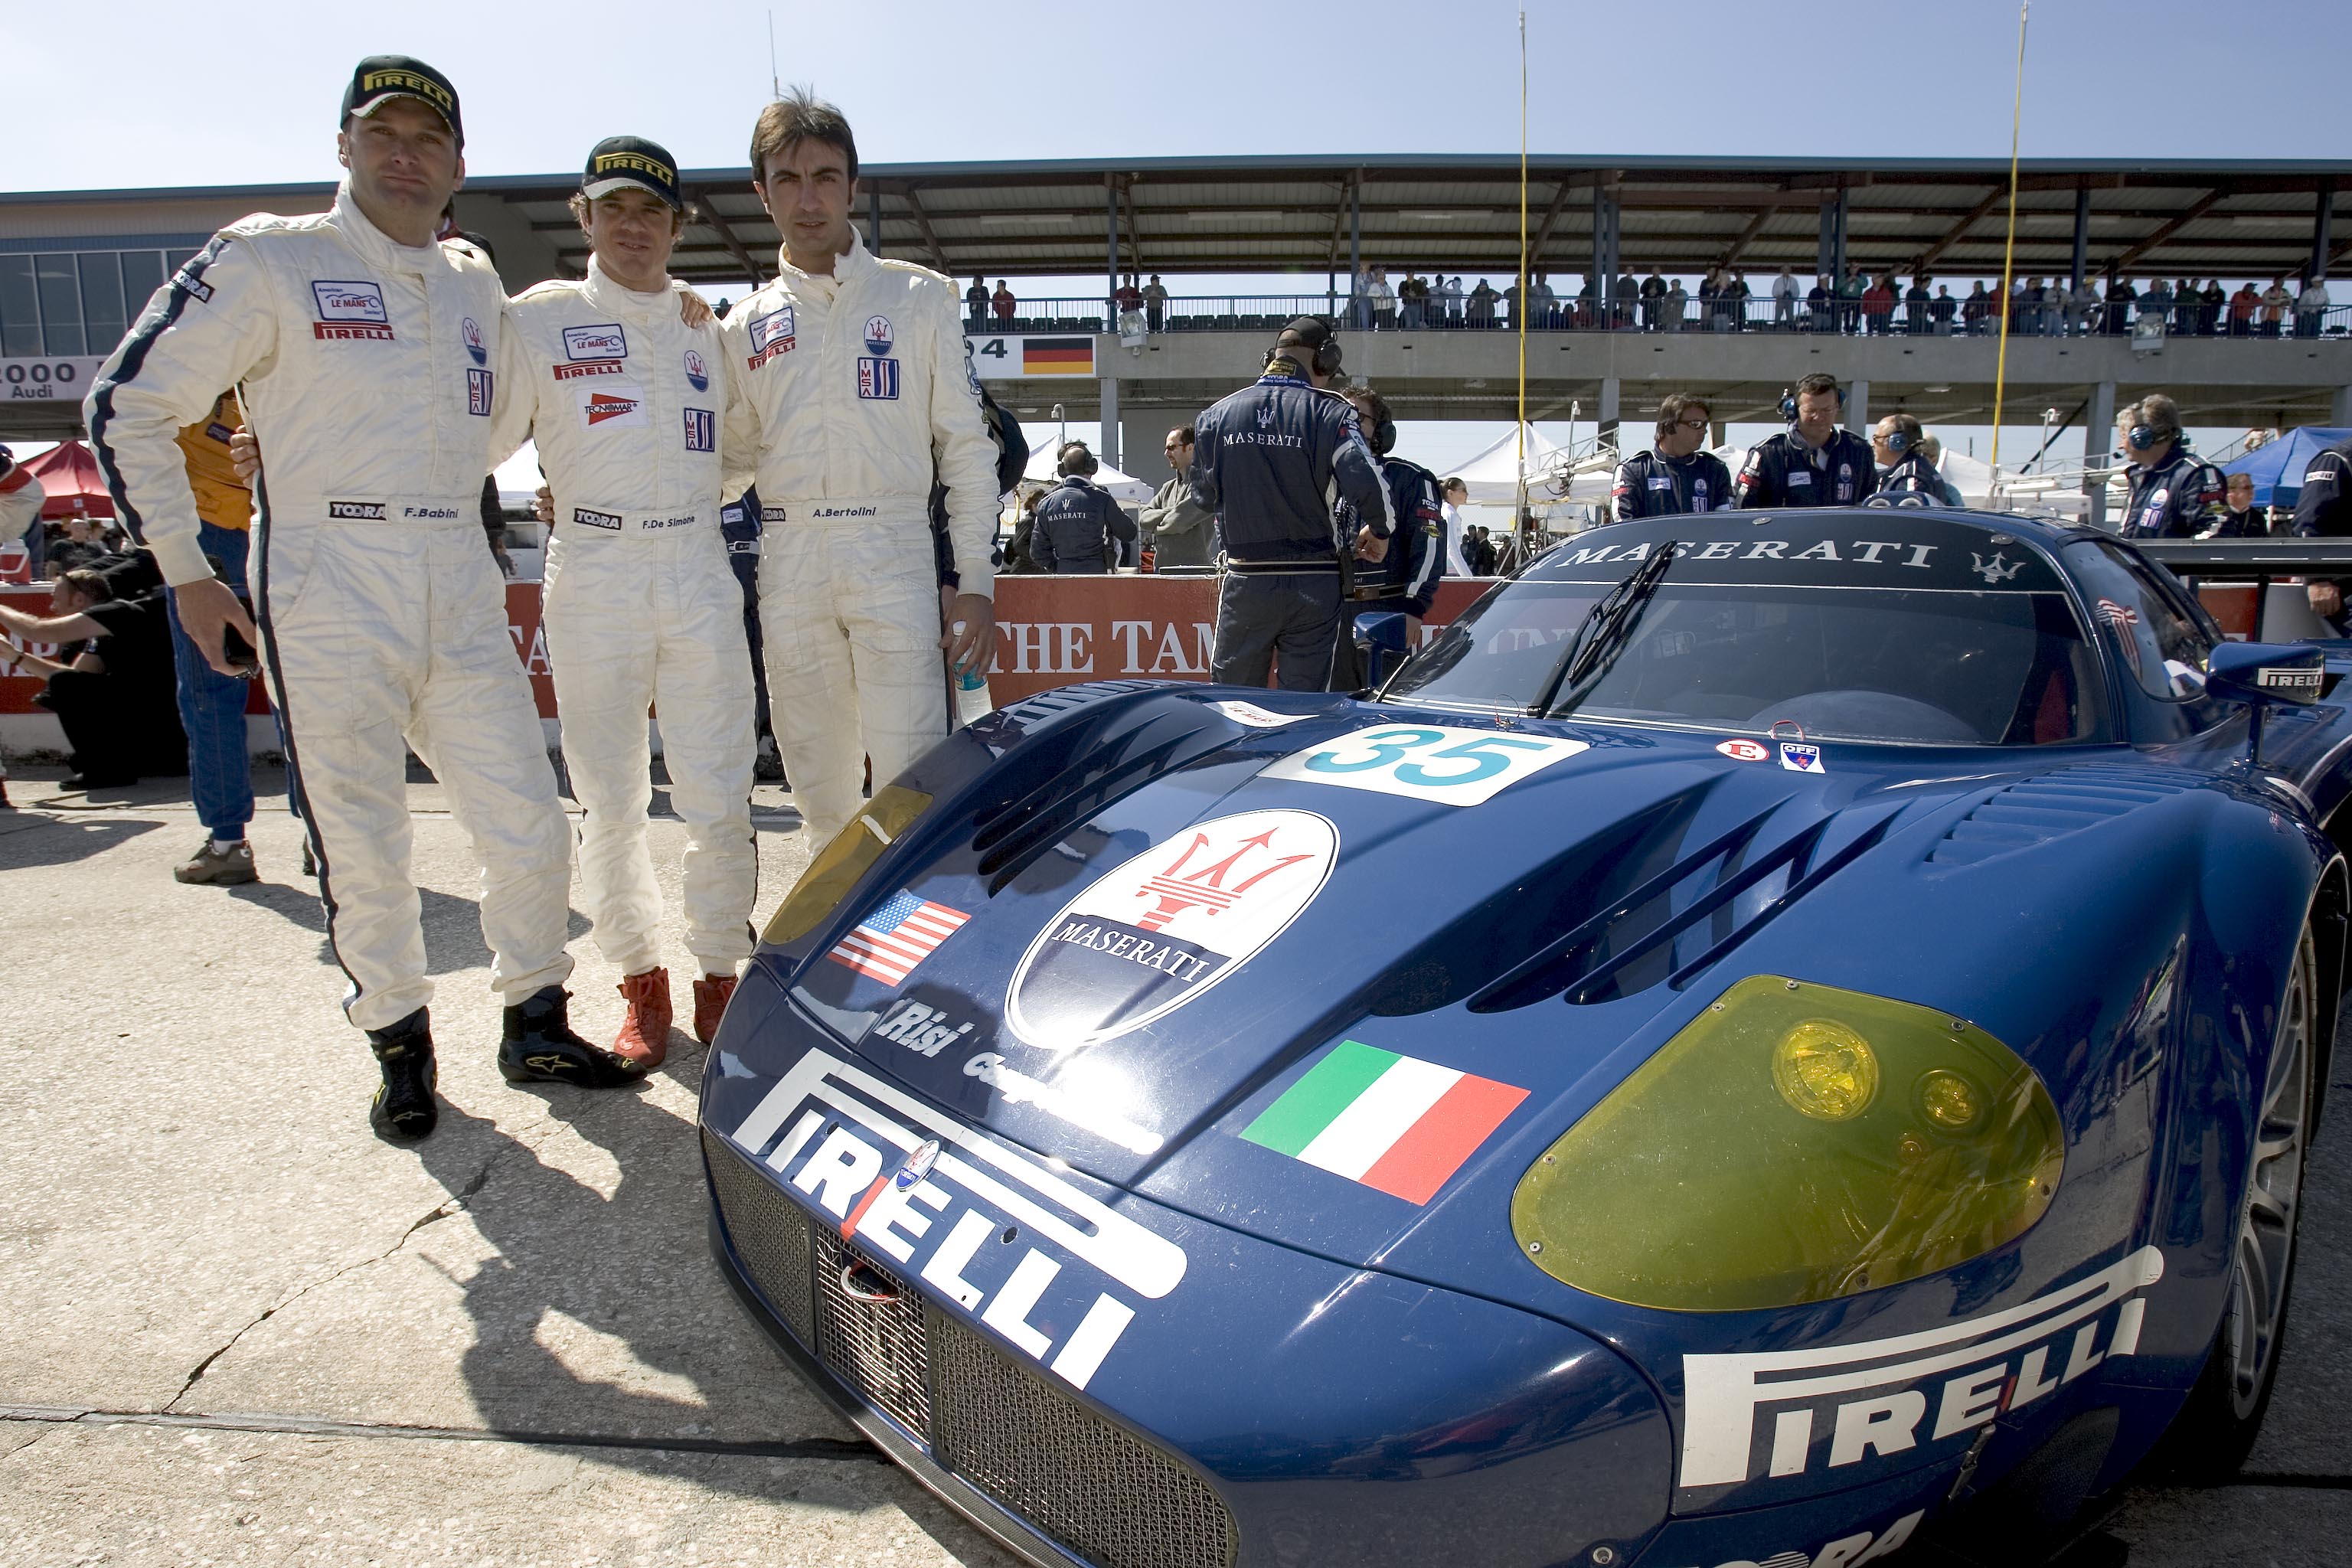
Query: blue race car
x=1774, y=1036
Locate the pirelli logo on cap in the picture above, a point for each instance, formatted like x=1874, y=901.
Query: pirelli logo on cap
x=424, y=87
x=619, y=162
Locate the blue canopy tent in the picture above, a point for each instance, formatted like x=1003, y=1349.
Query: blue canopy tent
x=2278, y=468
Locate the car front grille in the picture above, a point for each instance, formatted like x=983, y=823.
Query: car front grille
x=771, y=1234
x=1098, y=1488
x=1099, y=1491
x=879, y=1348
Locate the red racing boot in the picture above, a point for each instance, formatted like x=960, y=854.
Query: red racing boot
x=644, y=1039
x=710, y=995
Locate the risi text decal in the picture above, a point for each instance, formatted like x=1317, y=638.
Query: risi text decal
x=1835, y=1405
x=1166, y=926
x=1064, y=1295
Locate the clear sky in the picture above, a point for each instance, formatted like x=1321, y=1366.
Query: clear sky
x=250, y=95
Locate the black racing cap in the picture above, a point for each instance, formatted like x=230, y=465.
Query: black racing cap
x=619, y=161
x=382, y=78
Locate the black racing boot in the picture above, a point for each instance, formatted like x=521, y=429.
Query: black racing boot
x=539, y=1047
x=404, y=1107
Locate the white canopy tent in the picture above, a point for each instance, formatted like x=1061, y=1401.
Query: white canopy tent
x=1493, y=476
x=1124, y=488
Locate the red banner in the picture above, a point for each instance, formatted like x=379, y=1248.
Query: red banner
x=1056, y=631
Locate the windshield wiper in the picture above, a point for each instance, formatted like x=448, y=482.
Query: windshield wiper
x=1606, y=628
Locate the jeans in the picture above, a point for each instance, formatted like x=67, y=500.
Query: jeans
x=212, y=708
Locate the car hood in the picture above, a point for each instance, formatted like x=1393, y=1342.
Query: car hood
x=1177, y=959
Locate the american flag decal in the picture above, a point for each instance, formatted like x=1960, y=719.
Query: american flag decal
x=2121, y=619
x=889, y=942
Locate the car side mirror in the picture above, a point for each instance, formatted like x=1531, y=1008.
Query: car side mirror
x=2266, y=672
x=2260, y=674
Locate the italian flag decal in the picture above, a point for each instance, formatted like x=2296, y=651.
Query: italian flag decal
x=1393, y=1122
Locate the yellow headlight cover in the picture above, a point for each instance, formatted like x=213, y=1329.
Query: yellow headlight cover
x=1794, y=1144
x=839, y=865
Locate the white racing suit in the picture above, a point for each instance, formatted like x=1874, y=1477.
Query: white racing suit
x=863, y=392
x=630, y=407
x=367, y=374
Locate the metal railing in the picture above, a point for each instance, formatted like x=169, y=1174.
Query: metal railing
x=1867, y=315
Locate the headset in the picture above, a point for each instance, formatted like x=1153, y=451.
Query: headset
x=1326, y=361
x=1077, y=459
x=1382, y=434
x=2145, y=430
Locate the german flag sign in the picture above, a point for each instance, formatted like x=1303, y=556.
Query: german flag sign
x=1057, y=356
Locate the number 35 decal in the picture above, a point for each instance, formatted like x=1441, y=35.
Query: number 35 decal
x=1426, y=762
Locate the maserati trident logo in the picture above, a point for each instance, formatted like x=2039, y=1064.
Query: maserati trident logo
x=1998, y=569
x=1167, y=925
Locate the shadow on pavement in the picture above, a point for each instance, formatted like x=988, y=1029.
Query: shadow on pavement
x=38, y=838
x=453, y=926
x=632, y=1265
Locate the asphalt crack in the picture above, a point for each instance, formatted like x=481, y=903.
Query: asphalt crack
x=454, y=1204
x=839, y=1449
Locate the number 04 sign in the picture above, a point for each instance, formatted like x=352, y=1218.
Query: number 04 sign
x=1426, y=762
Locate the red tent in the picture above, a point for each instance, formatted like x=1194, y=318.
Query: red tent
x=69, y=474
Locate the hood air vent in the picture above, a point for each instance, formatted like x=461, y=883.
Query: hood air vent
x=2052, y=805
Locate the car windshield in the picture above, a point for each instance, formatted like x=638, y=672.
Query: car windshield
x=1844, y=649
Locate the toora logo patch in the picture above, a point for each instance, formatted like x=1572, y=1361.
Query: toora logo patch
x=1164, y=927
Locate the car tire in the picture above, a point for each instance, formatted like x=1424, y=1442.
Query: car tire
x=2217, y=1427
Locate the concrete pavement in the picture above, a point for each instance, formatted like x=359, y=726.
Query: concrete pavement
x=243, y=1330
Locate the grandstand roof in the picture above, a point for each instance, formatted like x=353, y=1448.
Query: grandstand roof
x=1247, y=215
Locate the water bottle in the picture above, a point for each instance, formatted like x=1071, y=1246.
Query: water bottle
x=972, y=696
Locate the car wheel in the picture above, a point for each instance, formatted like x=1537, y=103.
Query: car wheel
x=2217, y=1427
